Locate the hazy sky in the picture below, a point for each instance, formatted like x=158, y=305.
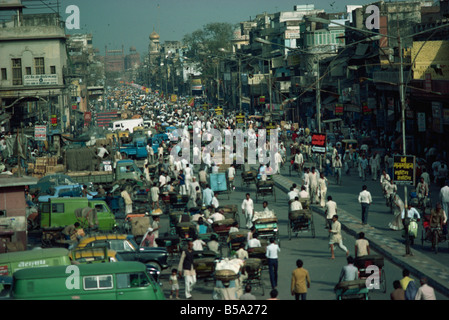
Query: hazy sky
x=130, y=22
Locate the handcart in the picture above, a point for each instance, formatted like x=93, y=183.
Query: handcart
x=249, y=177
x=253, y=270
x=230, y=212
x=186, y=230
x=236, y=239
x=219, y=183
x=434, y=235
x=369, y=264
x=222, y=228
x=172, y=244
x=266, y=224
x=264, y=188
x=300, y=221
x=205, y=267
x=260, y=253
x=176, y=217
x=352, y=290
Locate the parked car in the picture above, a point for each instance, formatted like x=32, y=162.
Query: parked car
x=65, y=191
x=128, y=249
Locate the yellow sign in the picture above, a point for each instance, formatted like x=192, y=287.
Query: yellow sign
x=174, y=98
x=218, y=111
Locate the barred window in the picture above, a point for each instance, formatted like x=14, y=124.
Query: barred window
x=17, y=72
x=39, y=65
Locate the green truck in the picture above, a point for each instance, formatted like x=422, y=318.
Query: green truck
x=126, y=170
x=121, y=280
x=61, y=212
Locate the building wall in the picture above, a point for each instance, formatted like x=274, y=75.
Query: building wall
x=430, y=57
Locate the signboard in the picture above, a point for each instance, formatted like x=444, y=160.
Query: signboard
x=319, y=142
x=40, y=133
x=218, y=111
x=40, y=79
x=87, y=116
x=240, y=118
x=404, y=170
x=339, y=109
x=269, y=126
x=54, y=120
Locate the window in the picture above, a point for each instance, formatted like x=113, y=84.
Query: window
x=97, y=282
x=57, y=208
x=120, y=245
x=28, y=71
x=53, y=69
x=39, y=65
x=132, y=280
x=17, y=72
x=4, y=74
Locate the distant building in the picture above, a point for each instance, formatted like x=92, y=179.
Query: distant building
x=114, y=61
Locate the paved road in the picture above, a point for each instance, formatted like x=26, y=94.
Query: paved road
x=313, y=251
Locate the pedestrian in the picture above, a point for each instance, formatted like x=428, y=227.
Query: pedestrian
x=425, y=292
x=248, y=210
x=208, y=195
x=186, y=269
x=336, y=237
x=444, y=198
x=361, y=246
x=173, y=281
x=86, y=192
x=408, y=285
x=363, y=167
x=272, y=255
x=128, y=201
x=330, y=211
x=248, y=295
x=375, y=165
x=407, y=216
x=365, y=200
x=274, y=295
x=349, y=272
x=398, y=293
x=154, y=191
x=300, y=281
x=322, y=189
x=313, y=180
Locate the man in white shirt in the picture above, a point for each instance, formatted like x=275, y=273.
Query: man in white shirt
x=217, y=216
x=330, y=211
x=102, y=152
x=313, y=179
x=303, y=194
x=273, y=262
x=254, y=242
x=291, y=195
x=248, y=210
x=231, y=175
x=215, y=202
x=365, y=200
x=296, y=205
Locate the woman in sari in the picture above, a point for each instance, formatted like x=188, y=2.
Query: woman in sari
x=398, y=205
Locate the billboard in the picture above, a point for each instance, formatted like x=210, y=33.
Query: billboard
x=404, y=170
x=319, y=142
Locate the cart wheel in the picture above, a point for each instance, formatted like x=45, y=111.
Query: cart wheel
x=383, y=280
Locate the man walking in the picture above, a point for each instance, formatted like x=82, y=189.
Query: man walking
x=444, y=198
x=365, y=200
x=272, y=256
x=336, y=237
x=300, y=281
x=186, y=269
x=248, y=210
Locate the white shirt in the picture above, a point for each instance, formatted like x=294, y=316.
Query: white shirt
x=254, y=243
x=292, y=195
x=365, y=197
x=272, y=251
x=410, y=213
x=303, y=194
x=331, y=209
x=248, y=205
x=215, y=202
x=296, y=205
x=444, y=194
x=231, y=172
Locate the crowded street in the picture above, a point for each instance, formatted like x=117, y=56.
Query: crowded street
x=186, y=175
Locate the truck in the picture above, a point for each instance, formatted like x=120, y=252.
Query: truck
x=123, y=280
x=57, y=213
x=123, y=125
x=126, y=170
x=137, y=149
